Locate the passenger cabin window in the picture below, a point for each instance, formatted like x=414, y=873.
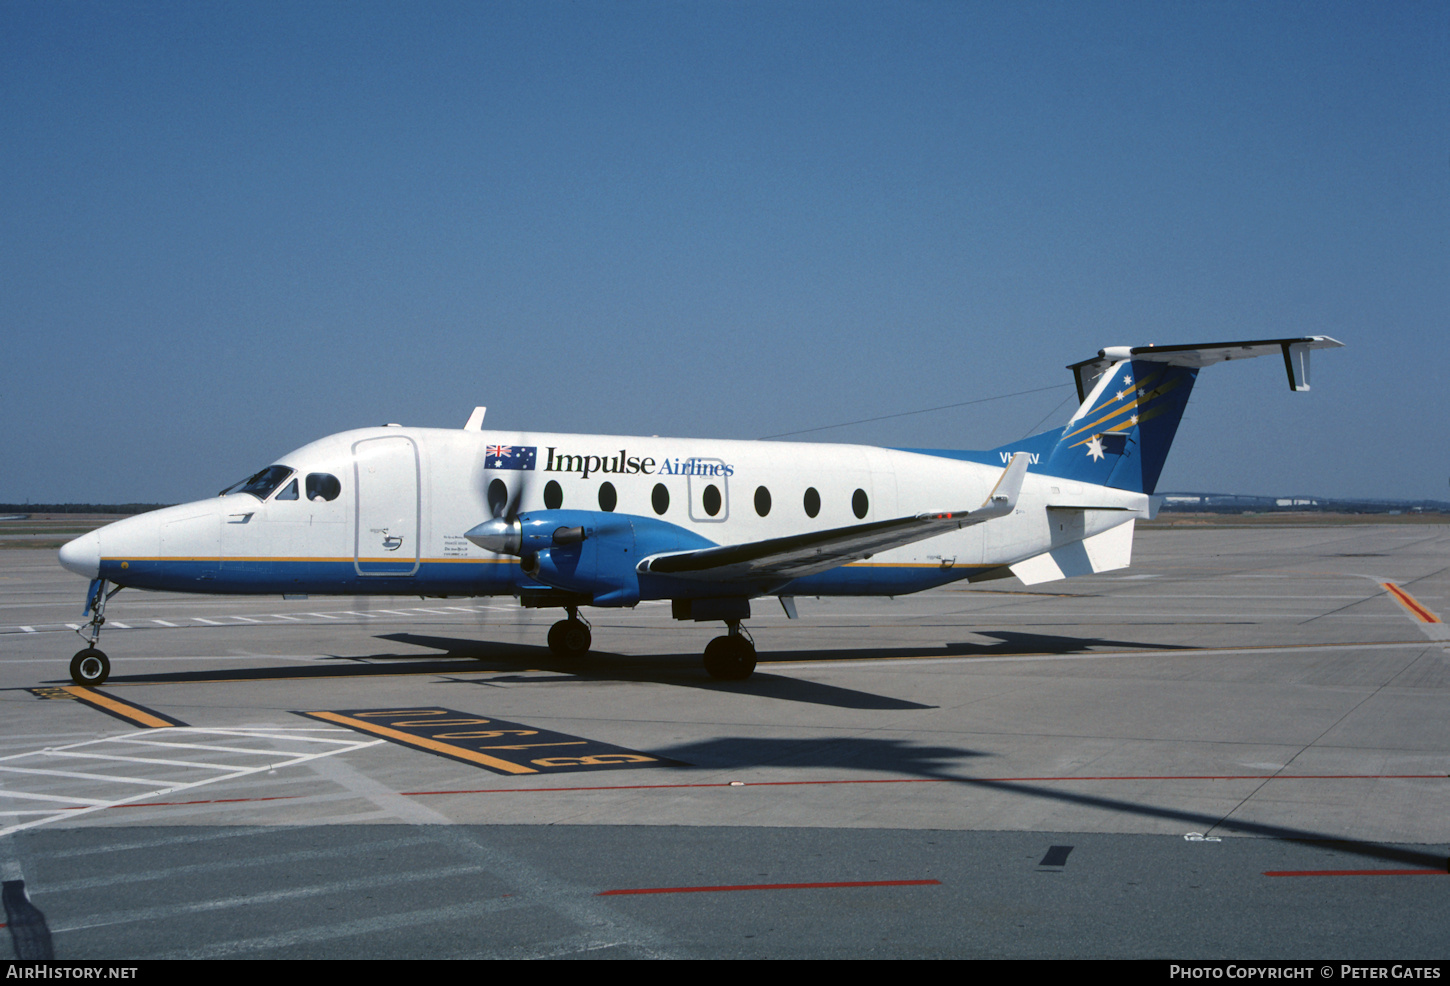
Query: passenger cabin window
x=860, y=504
x=608, y=498
x=762, y=500
x=812, y=502
x=659, y=498
x=322, y=486
x=553, y=495
x=710, y=499
x=289, y=492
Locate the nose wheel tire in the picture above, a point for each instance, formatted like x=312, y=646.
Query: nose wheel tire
x=730, y=658
x=90, y=667
x=570, y=638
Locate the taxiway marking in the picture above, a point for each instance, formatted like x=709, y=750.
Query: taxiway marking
x=1417, y=610
x=485, y=742
x=137, y=715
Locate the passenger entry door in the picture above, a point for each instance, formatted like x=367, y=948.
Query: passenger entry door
x=386, y=482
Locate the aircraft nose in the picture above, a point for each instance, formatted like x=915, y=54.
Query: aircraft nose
x=83, y=555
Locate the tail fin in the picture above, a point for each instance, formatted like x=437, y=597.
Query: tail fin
x=1133, y=399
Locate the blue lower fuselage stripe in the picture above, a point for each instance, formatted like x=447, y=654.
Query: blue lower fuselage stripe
x=323, y=577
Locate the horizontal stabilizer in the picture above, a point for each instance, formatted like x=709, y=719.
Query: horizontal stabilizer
x=1295, y=352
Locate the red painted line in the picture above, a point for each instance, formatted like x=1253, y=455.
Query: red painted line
x=1355, y=873
x=772, y=886
x=1410, y=603
x=940, y=780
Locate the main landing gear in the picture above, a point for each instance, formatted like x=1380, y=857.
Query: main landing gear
x=570, y=638
x=732, y=657
x=91, y=666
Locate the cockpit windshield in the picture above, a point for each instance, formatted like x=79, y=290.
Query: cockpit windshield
x=262, y=484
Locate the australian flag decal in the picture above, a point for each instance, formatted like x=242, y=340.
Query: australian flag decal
x=511, y=456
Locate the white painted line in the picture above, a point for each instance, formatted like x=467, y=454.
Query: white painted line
x=322, y=616
x=152, y=760
x=163, y=622
x=276, y=759
x=6, y=811
x=210, y=623
x=246, y=619
x=28, y=629
x=284, y=616
x=118, y=623
x=32, y=796
x=78, y=775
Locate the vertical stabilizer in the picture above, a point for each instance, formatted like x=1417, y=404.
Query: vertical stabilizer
x=1133, y=399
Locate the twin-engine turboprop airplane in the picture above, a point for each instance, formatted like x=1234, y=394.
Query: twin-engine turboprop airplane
x=592, y=520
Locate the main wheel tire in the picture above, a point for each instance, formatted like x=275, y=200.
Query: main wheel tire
x=570, y=638
x=730, y=658
x=90, y=667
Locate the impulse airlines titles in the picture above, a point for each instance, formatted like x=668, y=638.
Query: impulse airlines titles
x=625, y=464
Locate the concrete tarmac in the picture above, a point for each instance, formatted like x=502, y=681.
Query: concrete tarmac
x=1236, y=748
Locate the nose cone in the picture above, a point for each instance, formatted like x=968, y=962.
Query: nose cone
x=83, y=555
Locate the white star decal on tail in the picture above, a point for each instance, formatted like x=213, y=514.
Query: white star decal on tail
x=1095, y=448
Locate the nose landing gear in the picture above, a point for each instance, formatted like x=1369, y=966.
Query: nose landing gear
x=91, y=666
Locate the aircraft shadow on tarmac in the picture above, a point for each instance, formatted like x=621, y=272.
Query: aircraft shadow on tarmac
x=523, y=662
x=872, y=754
x=665, y=669
x=672, y=669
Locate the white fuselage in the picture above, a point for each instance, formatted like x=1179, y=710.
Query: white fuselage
x=402, y=499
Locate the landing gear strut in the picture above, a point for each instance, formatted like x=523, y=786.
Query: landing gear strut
x=571, y=637
x=732, y=657
x=91, y=666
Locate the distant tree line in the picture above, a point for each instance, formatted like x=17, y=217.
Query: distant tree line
x=1238, y=503
x=80, y=508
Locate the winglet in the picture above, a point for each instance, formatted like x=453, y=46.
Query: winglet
x=999, y=503
x=475, y=420
x=1003, y=498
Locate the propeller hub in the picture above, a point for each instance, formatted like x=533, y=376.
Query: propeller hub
x=500, y=536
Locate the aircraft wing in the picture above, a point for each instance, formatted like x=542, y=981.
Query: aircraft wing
x=798, y=555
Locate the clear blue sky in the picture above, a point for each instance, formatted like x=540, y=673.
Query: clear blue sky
x=227, y=229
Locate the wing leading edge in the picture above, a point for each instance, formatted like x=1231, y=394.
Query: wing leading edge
x=798, y=555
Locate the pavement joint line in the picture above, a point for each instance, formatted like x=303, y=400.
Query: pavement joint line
x=771, y=886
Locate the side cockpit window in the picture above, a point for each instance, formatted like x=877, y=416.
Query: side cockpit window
x=262, y=484
x=289, y=492
x=322, y=486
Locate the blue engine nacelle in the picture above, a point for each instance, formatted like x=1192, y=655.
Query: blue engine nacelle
x=595, y=553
